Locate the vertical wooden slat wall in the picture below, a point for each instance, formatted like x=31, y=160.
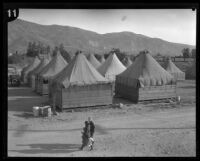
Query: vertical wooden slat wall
x=146, y=93
x=87, y=95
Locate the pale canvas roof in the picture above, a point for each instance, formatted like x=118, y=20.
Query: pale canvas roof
x=129, y=62
x=42, y=64
x=172, y=68
x=147, y=70
x=92, y=59
x=102, y=60
x=56, y=65
x=79, y=72
x=112, y=66
x=32, y=66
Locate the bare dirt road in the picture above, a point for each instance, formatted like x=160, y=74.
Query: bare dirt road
x=135, y=130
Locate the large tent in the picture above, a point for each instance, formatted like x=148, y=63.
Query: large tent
x=92, y=59
x=29, y=68
x=145, y=79
x=33, y=73
x=80, y=84
x=111, y=67
x=56, y=65
x=174, y=70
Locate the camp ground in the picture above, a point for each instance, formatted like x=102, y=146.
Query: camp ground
x=139, y=91
x=125, y=126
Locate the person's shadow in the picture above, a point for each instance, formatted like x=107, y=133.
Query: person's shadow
x=48, y=148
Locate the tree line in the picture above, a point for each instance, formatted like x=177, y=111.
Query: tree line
x=37, y=49
x=187, y=53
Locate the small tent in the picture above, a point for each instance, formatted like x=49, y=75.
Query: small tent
x=29, y=68
x=128, y=62
x=111, y=67
x=80, y=84
x=174, y=70
x=145, y=79
x=33, y=73
x=92, y=59
x=102, y=60
x=56, y=65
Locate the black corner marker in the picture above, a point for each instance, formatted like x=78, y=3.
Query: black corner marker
x=12, y=14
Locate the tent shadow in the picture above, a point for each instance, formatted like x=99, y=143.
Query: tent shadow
x=48, y=148
x=21, y=91
x=188, y=87
x=119, y=99
x=25, y=115
x=25, y=104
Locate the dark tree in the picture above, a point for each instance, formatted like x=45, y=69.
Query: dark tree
x=158, y=54
x=98, y=57
x=132, y=57
x=193, y=53
x=55, y=50
x=121, y=55
x=186, y=52
x=64, y=53
x=106, y=55
x=48, y=49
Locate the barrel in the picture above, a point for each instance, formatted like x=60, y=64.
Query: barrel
x=49, y=112
x=36, y=111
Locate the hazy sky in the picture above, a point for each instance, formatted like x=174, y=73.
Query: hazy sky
x=174, y=25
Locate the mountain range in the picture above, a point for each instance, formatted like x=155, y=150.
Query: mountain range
x=20, y=32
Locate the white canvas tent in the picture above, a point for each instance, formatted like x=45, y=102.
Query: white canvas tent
x=56, y=65
x=111, y=67
x=174, y=70
x=33, y=73
x=145, y=79
x=29, y=68
x=80, y=84
x=92, y=59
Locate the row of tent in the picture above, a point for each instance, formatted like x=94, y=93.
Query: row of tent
x=87, y=82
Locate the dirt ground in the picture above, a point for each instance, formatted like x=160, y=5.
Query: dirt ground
x=155, y=129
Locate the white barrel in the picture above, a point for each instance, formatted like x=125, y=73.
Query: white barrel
x=178, y=99
x=36, y=111
x=121, y=105
x=49, y=111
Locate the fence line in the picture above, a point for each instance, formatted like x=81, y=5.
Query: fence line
x=176, y=59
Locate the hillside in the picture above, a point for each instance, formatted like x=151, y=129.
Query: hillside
x=20, y=32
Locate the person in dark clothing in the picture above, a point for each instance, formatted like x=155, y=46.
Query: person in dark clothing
x=91, y=129
x=91, y=126
x=85, y=136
